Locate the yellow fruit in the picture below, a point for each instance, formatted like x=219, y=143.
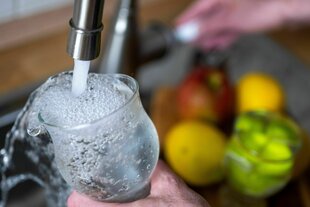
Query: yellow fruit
x=259, y=91
x=195, y=151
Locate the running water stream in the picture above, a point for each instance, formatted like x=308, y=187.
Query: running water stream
x=80, y=73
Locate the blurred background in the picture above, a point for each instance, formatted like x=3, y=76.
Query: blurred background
x=34, y=33
x=33, y=40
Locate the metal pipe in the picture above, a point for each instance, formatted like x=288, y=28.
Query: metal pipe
x=126, y=47
x=86, y=26
x=120, y=54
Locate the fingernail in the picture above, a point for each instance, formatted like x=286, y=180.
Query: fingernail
x=187, y=32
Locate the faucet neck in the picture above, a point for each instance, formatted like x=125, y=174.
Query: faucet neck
x=85, y=29
x=87, y=14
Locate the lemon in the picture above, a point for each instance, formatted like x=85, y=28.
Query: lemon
x=195, y=151
x=259, y=91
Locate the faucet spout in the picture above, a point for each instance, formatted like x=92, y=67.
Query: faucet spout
x=85, y=29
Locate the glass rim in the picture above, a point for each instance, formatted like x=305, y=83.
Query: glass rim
x=113, y=112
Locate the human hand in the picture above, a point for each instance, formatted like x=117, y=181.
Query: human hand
x=221, y=22
x=166, y=190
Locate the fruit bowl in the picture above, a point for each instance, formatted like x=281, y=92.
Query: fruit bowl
x=255, y=53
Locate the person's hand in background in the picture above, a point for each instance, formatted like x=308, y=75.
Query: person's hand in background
x=218, y=23
x=166, y=190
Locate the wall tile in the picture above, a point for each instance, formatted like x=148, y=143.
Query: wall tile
x=31, y=7
x=6, y=10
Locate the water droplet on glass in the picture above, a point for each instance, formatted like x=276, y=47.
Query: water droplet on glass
x=4, y=159
x=34, y=131
x=123, y=188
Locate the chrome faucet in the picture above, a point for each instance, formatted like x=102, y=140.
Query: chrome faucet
x=86, y=25
x=126, y=47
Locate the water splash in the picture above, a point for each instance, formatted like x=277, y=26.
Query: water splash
x=36, y=156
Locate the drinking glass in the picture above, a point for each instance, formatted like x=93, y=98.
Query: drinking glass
x=260, y=157
x=110, y=159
